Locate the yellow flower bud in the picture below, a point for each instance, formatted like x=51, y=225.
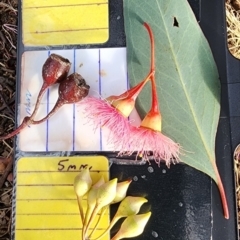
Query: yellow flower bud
x=103, y=196
x=82, y=182
x=91, y=199
x=121, y=192
x=132, y=226
x=92, y=194
x=130, y=206
x=106, y=193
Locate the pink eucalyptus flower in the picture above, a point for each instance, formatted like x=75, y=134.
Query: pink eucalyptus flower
x=113, y=113
x=147, y=140
x=150, y=144
x=103, y=115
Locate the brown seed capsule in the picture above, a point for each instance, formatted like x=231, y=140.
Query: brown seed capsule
x=73, y=89
x=55, y=69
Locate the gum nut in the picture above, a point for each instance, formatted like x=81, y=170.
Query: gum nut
x=55, y=69
x=73, y=89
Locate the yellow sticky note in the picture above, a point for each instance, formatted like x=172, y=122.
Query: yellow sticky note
x=64, y=22
x=46, y=205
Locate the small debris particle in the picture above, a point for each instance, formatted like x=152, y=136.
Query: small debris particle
x=164, y=171
x=154, y=234
x=5, y=199
x=118, y=17
x=180, y=204
x=144, y=177
x=135, y=178
x=103, y=73
x=2, y=167
x=150, y=169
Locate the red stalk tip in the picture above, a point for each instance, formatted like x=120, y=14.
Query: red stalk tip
x=147, y=26
x=221, y=191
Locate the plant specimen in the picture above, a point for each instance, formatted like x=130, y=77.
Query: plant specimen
x=71, y=89
x=99, y=197
x=113, y=112
x=186, y=77
x=146, y=139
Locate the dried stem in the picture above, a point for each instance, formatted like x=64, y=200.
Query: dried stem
x=28, y=120
x=58, y=104
x=8, y=6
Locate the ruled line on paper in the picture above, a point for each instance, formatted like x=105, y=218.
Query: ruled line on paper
x=47, y=122
x=52, y=214
x=42, y=26
x=100, y=91
x=73, y=132
x=67, y=171
x=55, y=229
x=47, y=199
x=48, y=214
x=70, y=5
x=45, y=185
x=66, y=30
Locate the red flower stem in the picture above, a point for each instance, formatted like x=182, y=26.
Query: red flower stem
x=152, y=44
x=134, y=92
x=27, y=120
x=155, y=105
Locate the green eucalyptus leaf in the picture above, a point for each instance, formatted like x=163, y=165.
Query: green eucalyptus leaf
x=186, y=75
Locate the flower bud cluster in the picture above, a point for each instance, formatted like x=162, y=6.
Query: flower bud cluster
x=100, y=196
